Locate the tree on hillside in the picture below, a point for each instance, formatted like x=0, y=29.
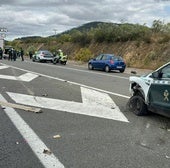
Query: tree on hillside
x=157, y=26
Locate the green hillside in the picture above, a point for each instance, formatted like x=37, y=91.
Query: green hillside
x=139, y=45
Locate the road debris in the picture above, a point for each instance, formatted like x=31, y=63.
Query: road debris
x=45, y=95
x=47, y=151
x=112, y=107
x=19, y=106
x=56, y=136
x=133, y=72
x=17, y=143
x=168, y=157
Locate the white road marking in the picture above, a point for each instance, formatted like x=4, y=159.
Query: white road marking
x=108, y=110
x=38, y=146
x=75, y=83
x=4, y=67
x=27, y=77
x=95, y=98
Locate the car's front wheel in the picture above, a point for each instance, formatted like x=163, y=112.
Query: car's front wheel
x=137, y=105
x=33, y=59
x=90, y=67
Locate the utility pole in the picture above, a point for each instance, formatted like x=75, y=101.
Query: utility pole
x=2, y=36
x=55, y=31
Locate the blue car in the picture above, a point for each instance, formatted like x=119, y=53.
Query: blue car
x=107, y=62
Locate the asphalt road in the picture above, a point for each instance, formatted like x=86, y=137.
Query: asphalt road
x=77, y=106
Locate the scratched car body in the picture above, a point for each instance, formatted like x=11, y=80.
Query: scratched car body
x=151, y=92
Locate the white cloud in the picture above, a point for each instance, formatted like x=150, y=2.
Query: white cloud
x=30, y=17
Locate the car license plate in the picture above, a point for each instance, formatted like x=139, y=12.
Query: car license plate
x=119, y=67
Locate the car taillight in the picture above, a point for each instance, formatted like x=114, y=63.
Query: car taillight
x=111, y=61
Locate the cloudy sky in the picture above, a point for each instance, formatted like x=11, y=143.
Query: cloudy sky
x=47, y=17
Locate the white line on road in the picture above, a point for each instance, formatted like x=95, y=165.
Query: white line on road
x=38, y=146
x=106, y=109
x=75, y=83
x=4, y=67
x=27, y=77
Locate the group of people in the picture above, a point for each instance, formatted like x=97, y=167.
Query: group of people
x=13, y=54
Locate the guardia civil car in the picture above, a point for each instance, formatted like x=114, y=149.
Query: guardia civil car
x=151, y=92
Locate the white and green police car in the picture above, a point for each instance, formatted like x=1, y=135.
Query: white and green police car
x=151, y=92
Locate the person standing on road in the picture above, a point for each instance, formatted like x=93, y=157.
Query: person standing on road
x=14, y=54
x=22, y=54
x=30, y=54
x=60, y=53
x=1, y=53
x=9, y=54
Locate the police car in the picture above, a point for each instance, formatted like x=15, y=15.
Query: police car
x=151, y=92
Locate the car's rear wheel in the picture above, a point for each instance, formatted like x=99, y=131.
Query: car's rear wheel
x=137, y=105
x=54, y=61
x=90, y=67
x=107, y=69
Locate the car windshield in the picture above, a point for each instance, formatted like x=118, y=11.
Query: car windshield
x=46, y=52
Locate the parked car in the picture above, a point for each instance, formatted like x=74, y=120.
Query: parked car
x=107, y=62
x=42, y=55
x=6, y=52
x=151, y=92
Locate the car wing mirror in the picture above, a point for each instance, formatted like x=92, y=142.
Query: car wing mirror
x=157, y=75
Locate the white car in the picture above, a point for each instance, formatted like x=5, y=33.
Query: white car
x=151, y=92
x=43, y=55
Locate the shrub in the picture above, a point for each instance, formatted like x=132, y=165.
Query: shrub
x=165, y=38
x=150, y=57
x=84, y=54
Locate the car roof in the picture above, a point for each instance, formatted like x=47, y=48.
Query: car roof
x=112, y=55
x=43, y=50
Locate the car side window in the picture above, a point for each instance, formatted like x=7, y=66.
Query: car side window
x=99, y=57
x=104, y=57
x=166, y=72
